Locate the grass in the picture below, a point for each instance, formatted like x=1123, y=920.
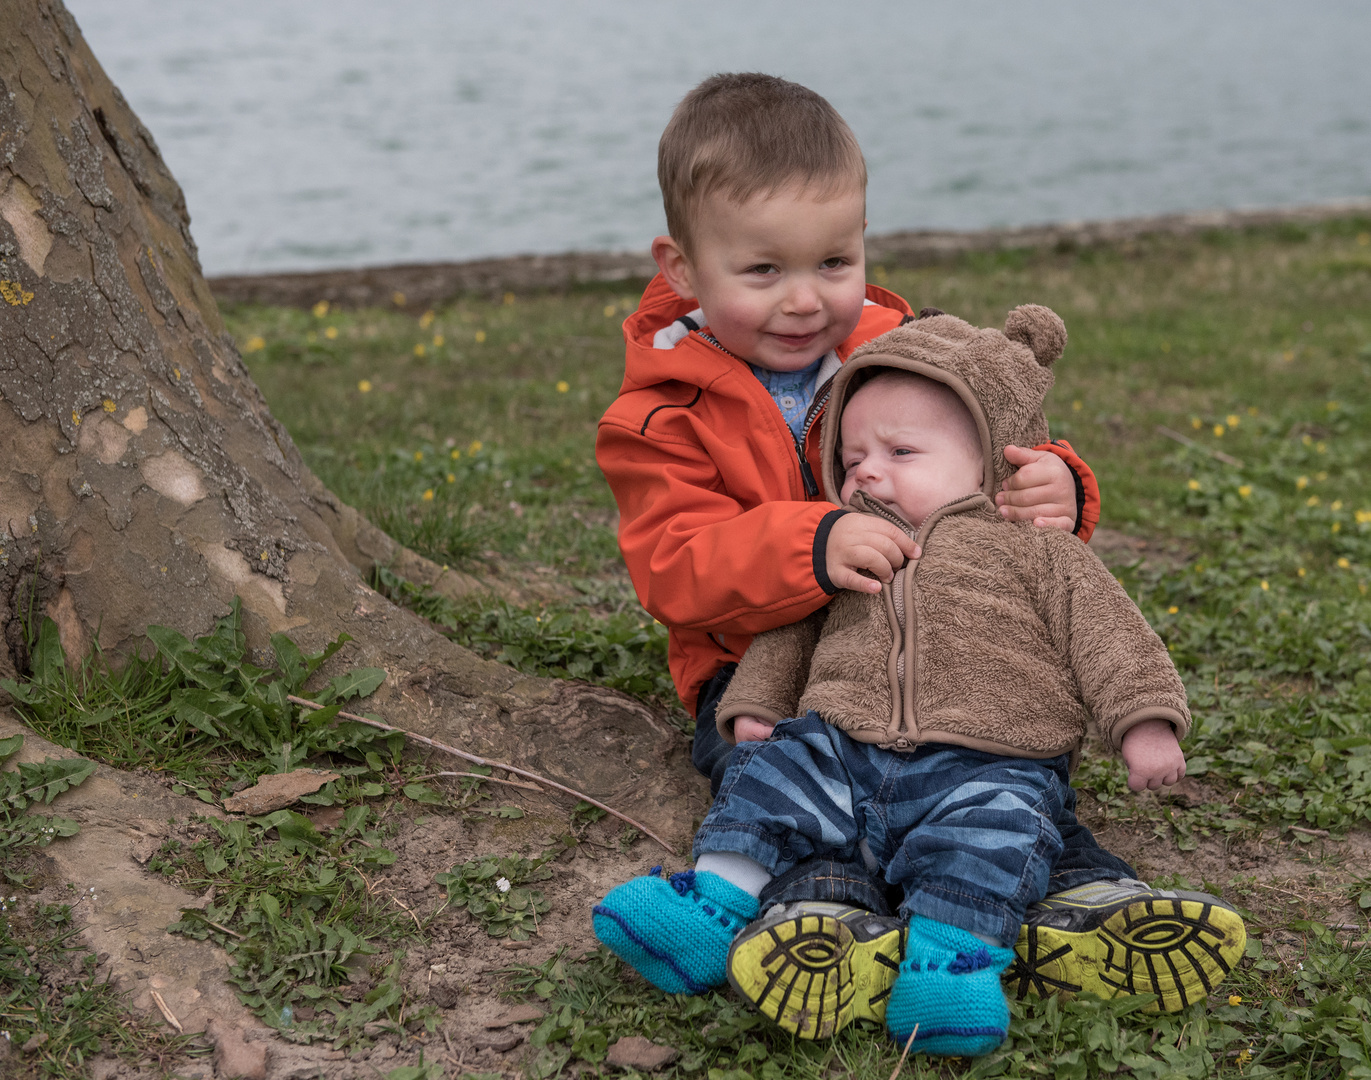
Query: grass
x=1254, y=345
x=468, y=434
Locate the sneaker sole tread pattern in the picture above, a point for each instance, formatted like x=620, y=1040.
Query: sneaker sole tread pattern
x=812, y=976
x=1179, y=949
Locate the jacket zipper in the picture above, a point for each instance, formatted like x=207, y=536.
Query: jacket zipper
x=811, y=485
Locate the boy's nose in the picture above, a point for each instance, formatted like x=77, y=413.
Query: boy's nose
x=802, y=298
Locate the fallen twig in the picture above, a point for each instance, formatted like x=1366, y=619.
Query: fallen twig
x=1185, y=440
x=479, y=776
x=418, y=925
x=485, y=762
x=166, y=1012
x=1309, y=832
x=908, y=1043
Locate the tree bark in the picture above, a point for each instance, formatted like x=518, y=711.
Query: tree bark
x=144, y=480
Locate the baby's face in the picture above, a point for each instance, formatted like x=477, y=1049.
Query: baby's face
x=911, y=445
x=781, y=278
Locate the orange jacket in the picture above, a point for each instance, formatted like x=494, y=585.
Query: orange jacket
x=721, y=524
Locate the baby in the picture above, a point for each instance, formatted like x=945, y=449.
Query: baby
x=930, y=726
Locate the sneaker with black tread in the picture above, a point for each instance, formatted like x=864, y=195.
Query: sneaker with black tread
x=1110, y=938
x=815, y=966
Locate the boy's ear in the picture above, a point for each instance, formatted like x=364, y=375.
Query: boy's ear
x=674, y=265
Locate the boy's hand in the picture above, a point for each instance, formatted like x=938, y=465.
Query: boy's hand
x=1153, y=755
x=1043, y=491
x=863, y=542
x=750, y=729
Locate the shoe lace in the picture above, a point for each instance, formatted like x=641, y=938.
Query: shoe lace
x=682, y=882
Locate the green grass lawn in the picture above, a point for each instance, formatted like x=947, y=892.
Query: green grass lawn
x=469, y=435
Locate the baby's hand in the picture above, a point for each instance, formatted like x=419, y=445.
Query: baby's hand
x=1043, y=491
x=750, y=729
x=863, y=542
x=1153, y=755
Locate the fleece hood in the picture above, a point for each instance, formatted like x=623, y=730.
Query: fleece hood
x=1001, y=376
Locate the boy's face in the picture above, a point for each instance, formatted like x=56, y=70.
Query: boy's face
x=910, y=444
x=781, y=277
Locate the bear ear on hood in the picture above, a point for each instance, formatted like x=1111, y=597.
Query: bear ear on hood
x=1040, y=328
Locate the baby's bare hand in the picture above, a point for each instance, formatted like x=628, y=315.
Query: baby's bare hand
x=1153, y=755
x=1043, y=491
x=863, y=542
x=750, y=729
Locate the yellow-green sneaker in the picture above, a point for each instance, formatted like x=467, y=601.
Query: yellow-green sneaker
x=815, y=966
x=1120, y=937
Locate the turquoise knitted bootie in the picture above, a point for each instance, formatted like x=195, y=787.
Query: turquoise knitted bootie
x=949, y=985
x=675, y=933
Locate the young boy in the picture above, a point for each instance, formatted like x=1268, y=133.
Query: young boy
x=711, y=451
x=933, y=720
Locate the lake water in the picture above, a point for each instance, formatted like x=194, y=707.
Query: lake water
x=320, y=133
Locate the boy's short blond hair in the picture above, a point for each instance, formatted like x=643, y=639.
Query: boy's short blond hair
x=747, y=134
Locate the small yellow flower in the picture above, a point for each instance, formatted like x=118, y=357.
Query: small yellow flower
x=1077, y=405
x=455, y=455
x=1193, y=485
x=1308, y=440
x=480, y=336
x=1301, y=483
x=397, y=298
x=331, y=332
x=426, y=320
x=1218, y=431
x=1235, y=999
x=1343, y=564
x=320, y=309
x=1336, y=526
x=256, y=343
x=1199, y=568
x=1196, y=423
x=418, y=455
x=563, y=386
x=1300, y=571
x=1288, y=355
x=1245, y=490
x=452, y=478
x=75, y=417
x=109, y=405
x=1243, y=1057
x=438, y=340
x=1333, y=406
x=1233, y=419
x=1321, y=477
x=428, y=495
x=609, y=311
x=1322, y=447
x=1166, y=346
x=1313, y=500
x=364, y=385
x=1266, y=585
x=1251, y=410
x=1335, y=505
x=1172, y=609
x=419, y=349
x=1363, y=517
x=475, y=447
x=508, y=298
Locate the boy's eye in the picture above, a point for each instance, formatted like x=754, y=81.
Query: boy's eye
x=833, y=263
x=900, y=451
x=762, y=268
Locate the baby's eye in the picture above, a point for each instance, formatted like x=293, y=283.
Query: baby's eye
x=762, y=268
x=900, y=451
x=833, y=263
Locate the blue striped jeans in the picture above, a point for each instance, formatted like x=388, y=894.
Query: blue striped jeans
x=968, y=836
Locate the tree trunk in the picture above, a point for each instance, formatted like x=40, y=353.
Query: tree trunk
x=144, y=480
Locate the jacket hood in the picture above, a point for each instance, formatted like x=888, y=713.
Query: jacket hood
x=1001, y=376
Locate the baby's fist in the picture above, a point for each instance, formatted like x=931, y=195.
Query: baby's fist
x=1153, y=755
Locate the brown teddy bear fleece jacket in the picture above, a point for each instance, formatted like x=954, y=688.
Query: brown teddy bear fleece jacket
x=1003, y=637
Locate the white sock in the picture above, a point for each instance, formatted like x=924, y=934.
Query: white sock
x=748, y=874
x=993, y=942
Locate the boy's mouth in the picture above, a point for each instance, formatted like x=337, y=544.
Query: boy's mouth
x=796, y=341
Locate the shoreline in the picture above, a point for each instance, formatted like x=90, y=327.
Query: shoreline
x=417, y=286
